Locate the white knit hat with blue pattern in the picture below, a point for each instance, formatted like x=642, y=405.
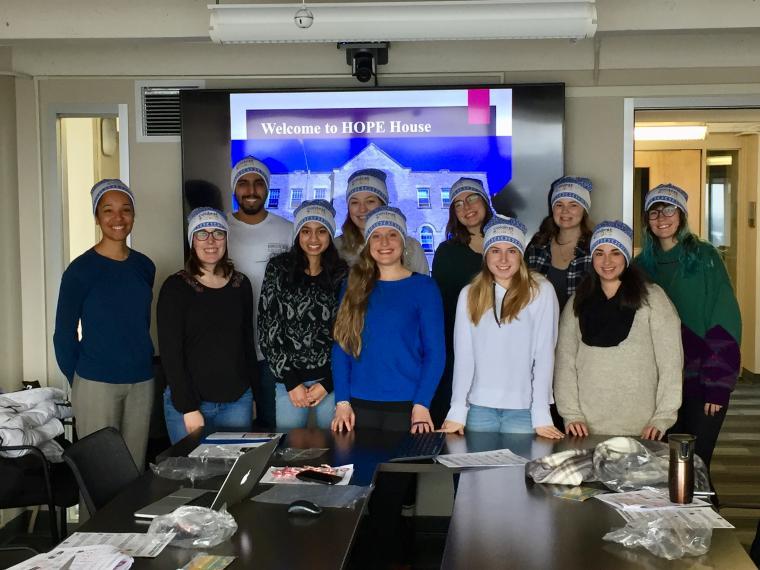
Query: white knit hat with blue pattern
x=246, y=166
x=385, y=217
x=502, y=229
x=320, y=211
x=667, y=193
x=616, y=233
x=572, y=188
x=369, y=180
x=205, y=219
x=468, y=185
x=107, y=185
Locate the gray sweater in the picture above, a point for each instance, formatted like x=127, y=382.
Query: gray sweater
x=620, y=390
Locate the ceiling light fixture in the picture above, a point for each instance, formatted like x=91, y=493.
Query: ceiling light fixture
x=669, y=132
x=403, y=21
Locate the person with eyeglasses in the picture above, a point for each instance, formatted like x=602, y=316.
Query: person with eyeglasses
x=618, y=365
x=367, y=190
x=504, y=337
x=205, y=335
x=693, y=275
x=457, y=260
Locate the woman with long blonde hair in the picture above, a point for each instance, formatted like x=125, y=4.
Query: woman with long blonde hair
x=387, y=360
x=504, y=337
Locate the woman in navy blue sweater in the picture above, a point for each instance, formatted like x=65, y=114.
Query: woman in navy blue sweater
x=109, y=289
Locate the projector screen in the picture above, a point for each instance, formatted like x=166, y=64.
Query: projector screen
x=509, y=137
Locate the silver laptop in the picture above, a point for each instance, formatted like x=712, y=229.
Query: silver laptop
x=240, y=481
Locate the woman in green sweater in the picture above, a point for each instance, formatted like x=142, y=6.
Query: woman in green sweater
x=457, y=260
x=693, y=275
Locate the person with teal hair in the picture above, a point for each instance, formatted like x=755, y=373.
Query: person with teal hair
x=692, y=273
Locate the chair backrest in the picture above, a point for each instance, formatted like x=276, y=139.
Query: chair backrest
x=102, y=465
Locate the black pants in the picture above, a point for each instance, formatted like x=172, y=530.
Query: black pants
x=388, y=535
x=692, y=419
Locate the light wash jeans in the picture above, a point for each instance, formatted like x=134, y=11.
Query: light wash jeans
x=218, y=416
x=289, y=417
x=480, y=418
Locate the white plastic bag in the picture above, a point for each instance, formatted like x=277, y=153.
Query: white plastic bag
x=666, y=536
x=195, y=527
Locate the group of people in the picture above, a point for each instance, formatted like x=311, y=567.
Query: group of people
x=564, y=333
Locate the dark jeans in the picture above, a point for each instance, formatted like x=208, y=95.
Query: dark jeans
x=265, y=399
x=386, y=525
x=692, y=419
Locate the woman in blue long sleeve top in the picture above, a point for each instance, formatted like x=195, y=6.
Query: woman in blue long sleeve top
x=109, y=289
x=389, y=348
x=387, y=359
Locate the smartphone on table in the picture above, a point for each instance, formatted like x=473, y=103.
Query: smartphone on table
x=319, y=477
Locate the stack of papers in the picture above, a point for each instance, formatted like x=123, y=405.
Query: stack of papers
x=225, y=445
x=496, y=458
x=102, y=557
x=135, y=544
x=649, y=504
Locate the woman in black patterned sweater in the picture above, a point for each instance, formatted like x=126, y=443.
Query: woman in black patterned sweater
x=297, y=307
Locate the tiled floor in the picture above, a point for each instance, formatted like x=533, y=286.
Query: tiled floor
x=736, y=462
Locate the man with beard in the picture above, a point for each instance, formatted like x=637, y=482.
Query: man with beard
x=255, y=236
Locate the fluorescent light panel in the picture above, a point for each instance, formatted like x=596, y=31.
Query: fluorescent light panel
x=670, y=133
x=404, y=21
x=721, y=160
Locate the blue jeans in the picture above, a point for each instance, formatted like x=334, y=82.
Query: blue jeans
x=224, y=416
x=480, y=418
x=289, y=417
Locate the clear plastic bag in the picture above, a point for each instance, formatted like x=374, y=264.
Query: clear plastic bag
x=195, y=527
x=297, y=454
x=624, y=464
x=193, y=468
x=665, y=535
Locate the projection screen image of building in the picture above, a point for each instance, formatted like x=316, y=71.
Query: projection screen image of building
x=423, y=140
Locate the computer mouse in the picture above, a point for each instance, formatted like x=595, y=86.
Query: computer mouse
x=304, y=507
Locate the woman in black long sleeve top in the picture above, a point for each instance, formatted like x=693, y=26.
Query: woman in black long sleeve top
x=205, y=335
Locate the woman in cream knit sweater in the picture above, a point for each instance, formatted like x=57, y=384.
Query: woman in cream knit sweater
x=619, y=357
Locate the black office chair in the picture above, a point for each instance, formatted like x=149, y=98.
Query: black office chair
x=31, y=480
x=102, y=465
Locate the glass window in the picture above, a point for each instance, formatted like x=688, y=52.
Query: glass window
x=445, y=197
x=426, y=239
x=423, y=197
x=296, y=197
x=320, y=193
x=273, y=201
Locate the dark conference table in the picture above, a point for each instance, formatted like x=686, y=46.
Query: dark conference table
x=500, y=520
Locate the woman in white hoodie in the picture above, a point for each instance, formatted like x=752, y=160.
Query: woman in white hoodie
x=504, y=338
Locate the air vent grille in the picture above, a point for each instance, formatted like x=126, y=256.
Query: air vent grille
x=161, y=111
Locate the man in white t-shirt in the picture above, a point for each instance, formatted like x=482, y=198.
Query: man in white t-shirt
x=255, y=236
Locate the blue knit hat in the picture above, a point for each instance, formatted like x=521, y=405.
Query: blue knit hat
x=385, y=217
x=572, y=188
x=667, y=193
x=320, y=211
x=501, y=229
x=615, y=233
x=246, y=166
x=468, y=185
x=205, y=219
x=369, y=180
x=107, y=185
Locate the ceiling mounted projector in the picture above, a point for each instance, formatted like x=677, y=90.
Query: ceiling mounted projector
x=403, y=21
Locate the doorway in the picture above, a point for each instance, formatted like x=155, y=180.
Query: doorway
x=719, y=172
x=88, y=152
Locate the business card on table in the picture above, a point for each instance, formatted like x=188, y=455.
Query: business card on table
x=208, y=562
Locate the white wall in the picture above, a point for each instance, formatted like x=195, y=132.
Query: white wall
x=104, y=73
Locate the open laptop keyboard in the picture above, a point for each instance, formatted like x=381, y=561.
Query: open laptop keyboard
x=420, y=446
